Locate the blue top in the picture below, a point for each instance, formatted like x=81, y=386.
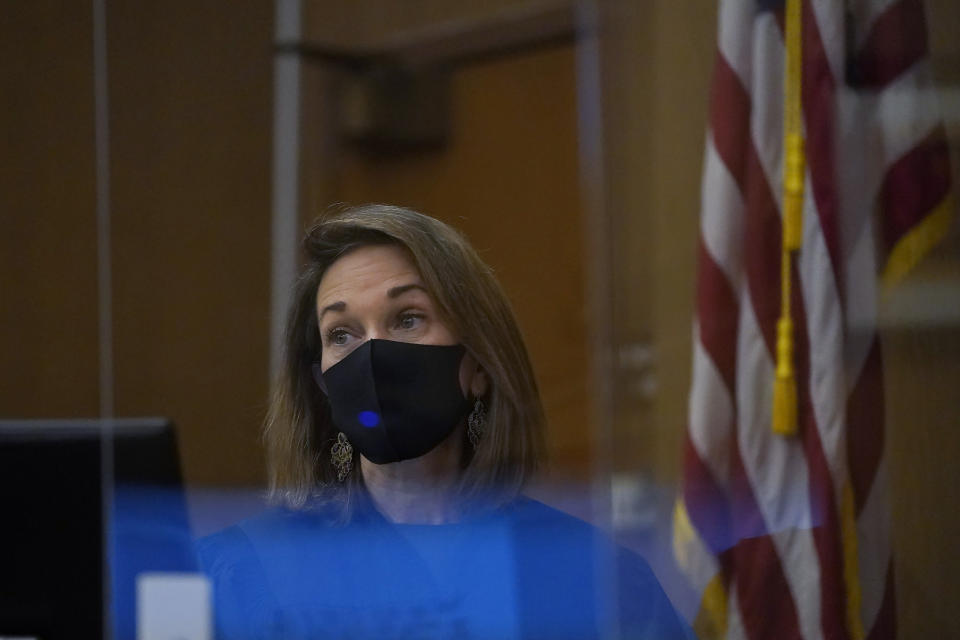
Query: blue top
x=523, y=571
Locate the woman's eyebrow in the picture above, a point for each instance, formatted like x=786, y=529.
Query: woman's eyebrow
x=396, y=291
x=336, y=306
x=391, y=293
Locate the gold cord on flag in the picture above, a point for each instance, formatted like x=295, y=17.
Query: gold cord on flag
x=785, y=383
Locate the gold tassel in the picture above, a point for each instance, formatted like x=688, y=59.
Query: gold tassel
x=785, y=382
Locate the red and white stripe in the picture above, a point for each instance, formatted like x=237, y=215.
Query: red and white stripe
x=762, y=516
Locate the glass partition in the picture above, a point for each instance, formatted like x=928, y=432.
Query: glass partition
x=171, y=417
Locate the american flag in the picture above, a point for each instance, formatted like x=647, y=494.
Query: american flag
x=789, y=537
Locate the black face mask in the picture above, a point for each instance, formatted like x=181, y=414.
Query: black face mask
x=396, y=400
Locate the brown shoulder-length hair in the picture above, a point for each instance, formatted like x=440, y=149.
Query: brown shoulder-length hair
x=299, y=432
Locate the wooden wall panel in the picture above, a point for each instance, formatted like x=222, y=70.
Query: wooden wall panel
x=629, y=95
x=48, y=252
x=684, y=63
x=655, y=86
x=922, y=370
x=191, y=99
x=372, y=24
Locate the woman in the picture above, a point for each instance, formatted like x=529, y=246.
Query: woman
x=405, y=423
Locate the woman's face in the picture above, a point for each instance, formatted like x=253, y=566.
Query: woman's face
x=376, y=292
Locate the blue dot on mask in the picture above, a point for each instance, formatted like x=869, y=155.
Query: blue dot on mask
x=369, y=418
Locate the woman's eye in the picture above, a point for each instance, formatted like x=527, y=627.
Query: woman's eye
x=409, y=320
x=337, y=337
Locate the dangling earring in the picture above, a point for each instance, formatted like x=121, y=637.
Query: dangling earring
x=341, y=454
x=475, y=422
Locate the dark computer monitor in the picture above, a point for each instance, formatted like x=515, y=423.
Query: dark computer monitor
x=87, y=505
